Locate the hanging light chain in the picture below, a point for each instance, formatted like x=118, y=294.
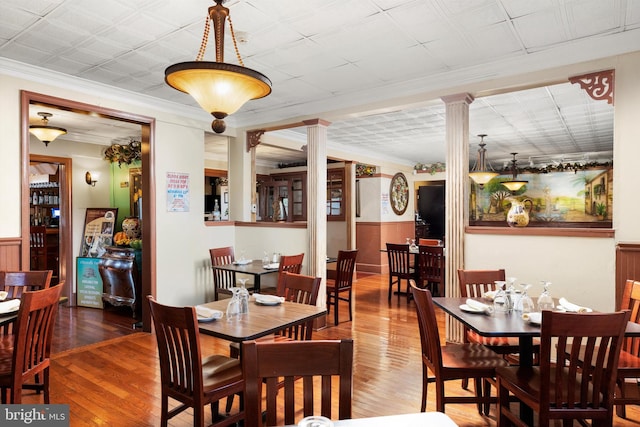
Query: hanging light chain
x=235, y=43
x=205, y=39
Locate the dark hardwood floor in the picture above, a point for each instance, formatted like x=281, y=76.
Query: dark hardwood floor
x=113, y=381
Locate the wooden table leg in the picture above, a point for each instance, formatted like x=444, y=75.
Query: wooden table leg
x=526, y=360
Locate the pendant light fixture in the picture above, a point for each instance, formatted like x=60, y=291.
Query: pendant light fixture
x=481, y=173
x=514, y=184
x=219, y=88
x=44, y=132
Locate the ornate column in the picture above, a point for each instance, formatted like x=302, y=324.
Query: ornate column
x=316, y=202
x=456, y=196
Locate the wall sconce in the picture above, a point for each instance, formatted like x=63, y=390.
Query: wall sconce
x=91, y=179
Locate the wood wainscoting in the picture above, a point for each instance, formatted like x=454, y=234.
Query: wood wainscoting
x=10, y=254
x=371, y=237
x=627, y=267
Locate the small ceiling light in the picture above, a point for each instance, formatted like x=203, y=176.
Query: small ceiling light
x=220, y=88
x=44, y=132
x=481, y=173
x=91, y=179
x=514, y=184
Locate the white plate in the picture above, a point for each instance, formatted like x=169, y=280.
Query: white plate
x=273, y=266
x=469, y=309
x=243, y=262
x=268, y=300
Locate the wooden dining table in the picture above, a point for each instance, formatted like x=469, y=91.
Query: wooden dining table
x=253, y=268
x=260, y=321
x=501, y=324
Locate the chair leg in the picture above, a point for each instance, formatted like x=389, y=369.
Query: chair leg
x=425, y=388
x=350, y=311
x=465, y=383
x=335, y=312
x=478, y=386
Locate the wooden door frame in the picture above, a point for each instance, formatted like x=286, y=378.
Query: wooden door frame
x=65, y=245
x=148, y=186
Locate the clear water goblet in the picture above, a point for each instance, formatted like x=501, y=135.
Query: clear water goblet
x=525, y=303
x=545, y=302
x=243, y=295
x=233, y=308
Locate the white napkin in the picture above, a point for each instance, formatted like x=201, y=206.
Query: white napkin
x=273, y=265
x=9, y=306
x=573, y=307
x=268, y=299
x=208, y=313
x=490, y=295
x=477, y=305
x=242, y=261
x=535, y=317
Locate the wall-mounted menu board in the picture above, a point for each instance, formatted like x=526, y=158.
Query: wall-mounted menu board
x=99, y=224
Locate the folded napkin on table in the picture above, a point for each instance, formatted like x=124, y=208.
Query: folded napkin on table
x=273, y=265
x=9, y=306
x=535, y=317
x=572, y=307
x=208, y=313
x=490, y=295
x=267, y=298
x=477, y=305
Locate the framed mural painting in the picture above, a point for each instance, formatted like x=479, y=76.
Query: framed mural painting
x=572, y=197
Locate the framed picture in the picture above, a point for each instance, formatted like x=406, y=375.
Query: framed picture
x=99, y=224
x=399, y=193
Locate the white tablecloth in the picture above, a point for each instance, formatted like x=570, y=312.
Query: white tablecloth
x=405, y=420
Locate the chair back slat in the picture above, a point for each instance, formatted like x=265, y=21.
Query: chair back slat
x=300, y=289
x=473, y=283
x=33, y=332
x=222, y=280
x=398, y=256
x=428, y=326
x=178, y=349
x=346, y=264
x=319, y=359
x=431, y=265
x=584, y=377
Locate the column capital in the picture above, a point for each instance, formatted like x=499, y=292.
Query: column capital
x=458, y=97
x=313, y=122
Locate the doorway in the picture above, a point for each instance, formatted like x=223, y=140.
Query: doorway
x=147, y=125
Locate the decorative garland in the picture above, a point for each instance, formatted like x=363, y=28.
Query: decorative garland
x=430, y=168
x=127, y=153
x=365, y=170
x=560, y=167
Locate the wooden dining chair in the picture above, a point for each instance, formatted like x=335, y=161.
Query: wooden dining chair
x=399, y=266
x=185, y=375
x=296, y=288
x=452, y=361
x=25, y=354
x=17, y=282
x=341, y=283
x=430, y=242
x=222, y=280
x=291, y=264
x=628, y=392
x=473, y=283
x=268, y=363
x=564, y=387
x=431, y=265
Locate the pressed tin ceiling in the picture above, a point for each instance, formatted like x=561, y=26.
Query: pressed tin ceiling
x=360, y=64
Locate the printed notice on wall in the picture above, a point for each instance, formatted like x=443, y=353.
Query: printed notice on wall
x=177, y=192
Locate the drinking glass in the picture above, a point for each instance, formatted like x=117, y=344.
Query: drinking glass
x=501, y=302
x=265, y=260
x=243, y=295
x=525, y=303
x=545, y=302
x=408, y=240
x=233, y=308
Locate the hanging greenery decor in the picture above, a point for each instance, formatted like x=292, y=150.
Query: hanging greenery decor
x=123, y=153
x=430, y=168
x=365, y=170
